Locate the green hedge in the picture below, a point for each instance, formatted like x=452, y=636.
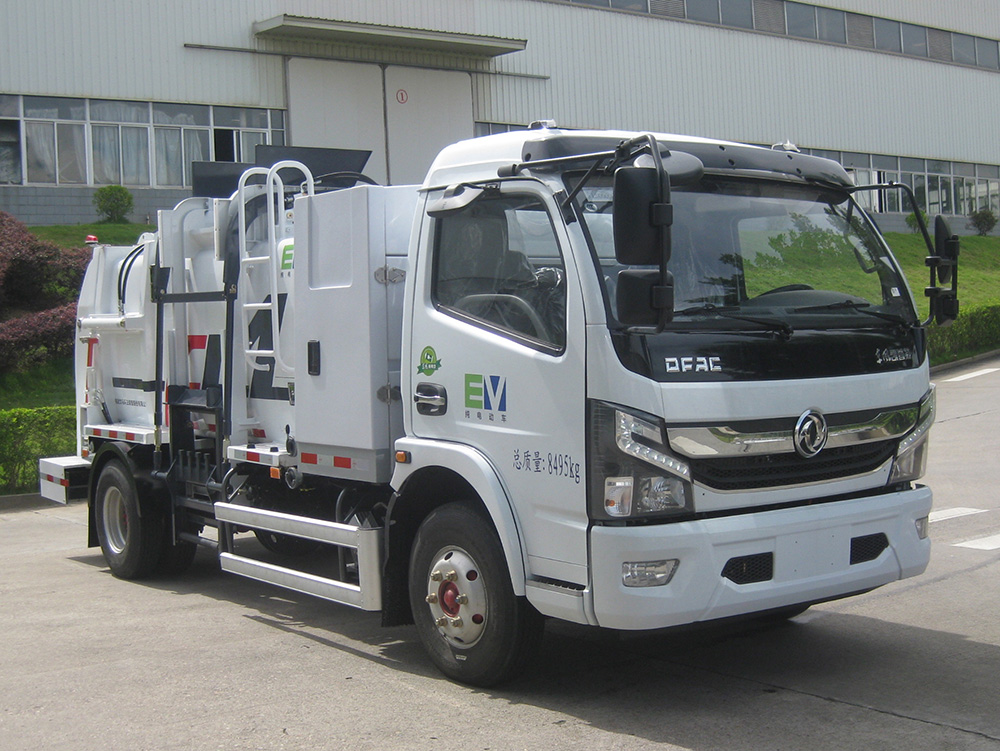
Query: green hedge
x=976, y=330
x=27, y=435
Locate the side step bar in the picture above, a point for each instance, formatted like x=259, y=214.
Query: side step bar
x=367, y=595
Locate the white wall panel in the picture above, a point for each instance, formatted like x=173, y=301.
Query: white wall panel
x=582, y=66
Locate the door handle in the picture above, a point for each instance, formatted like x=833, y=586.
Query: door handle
x=431, y=399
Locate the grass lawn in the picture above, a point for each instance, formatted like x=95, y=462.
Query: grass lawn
x=48, y=385
x=75, y=235
x=978, y=269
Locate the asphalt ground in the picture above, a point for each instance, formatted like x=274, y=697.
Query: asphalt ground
x=213, y=661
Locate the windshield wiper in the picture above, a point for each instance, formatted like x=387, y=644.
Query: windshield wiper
x=772, y=324
x=860, y=307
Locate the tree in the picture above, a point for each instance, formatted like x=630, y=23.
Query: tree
x=113, y=203
x=913, y=223
x=982, y=221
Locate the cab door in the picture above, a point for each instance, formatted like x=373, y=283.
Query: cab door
x=497, y=360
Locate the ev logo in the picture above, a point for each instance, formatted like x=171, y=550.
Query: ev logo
x=486, y=392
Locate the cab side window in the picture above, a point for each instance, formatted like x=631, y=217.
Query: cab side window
x=497, y=264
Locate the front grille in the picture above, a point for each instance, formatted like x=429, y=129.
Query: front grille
x=747, y=569
x=868, y=548
x=776, y=470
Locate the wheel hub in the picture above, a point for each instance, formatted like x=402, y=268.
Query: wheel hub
x=115, y=520
x=456, y=596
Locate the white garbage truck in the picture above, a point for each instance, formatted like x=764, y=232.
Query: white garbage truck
x=629, y=380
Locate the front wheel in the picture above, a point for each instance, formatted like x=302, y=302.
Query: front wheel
x=132, y=542
x=473, y=626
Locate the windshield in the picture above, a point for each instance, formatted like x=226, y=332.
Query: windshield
x=750, y=253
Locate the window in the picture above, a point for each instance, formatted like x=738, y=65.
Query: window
x=10, y=106
x=801, y=20
x=703, y=10
x=119, y=112
x=489, y=129
x=986, y=54
x=10, y=152
x=169, y=157
x=135, y=156
x=40, y=140
x=737, y=13
x=963, y=49
x=181, y=114
x=497, y=264
x=106, y=147
x=914, y=40
x=68, y=141
x=54, y=108
x=887, y=35
x=831, y=25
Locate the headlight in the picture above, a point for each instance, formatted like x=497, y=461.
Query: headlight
x=911, y=456
x=632, y=472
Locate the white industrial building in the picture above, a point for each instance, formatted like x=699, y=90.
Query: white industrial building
x=96, y=92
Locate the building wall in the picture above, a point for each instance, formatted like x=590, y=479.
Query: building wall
x=41, y=205
x=583, y=66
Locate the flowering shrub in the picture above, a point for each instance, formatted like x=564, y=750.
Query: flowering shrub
x=35, y=275
x=37, y=337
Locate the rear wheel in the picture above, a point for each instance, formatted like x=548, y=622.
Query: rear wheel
x=473, y=626
x=132, y=542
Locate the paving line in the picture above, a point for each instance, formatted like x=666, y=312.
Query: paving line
x=983, y=543
x=954, y=513
x=974, y=374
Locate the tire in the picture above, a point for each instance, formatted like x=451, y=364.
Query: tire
x=473, y=627
x=132, y=542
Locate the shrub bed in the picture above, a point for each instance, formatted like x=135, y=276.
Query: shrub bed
x=35, y=338
x=35, y=275
x=27, y=435
x=976, y=330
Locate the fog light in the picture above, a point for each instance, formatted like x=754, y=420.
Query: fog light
x=923, y=527
x=648, y=573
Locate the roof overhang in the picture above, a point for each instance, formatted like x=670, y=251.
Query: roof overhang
x=349, y=32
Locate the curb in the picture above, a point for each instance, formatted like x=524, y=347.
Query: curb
x=949, y=366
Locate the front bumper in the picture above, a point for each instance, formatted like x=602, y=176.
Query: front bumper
x=810, y=549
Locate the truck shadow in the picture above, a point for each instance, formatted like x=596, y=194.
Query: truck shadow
x=822, y=680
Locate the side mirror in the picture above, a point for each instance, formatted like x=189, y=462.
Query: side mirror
x=946, y=249
x=641, y=298
x=638, y=241
x=944, y=270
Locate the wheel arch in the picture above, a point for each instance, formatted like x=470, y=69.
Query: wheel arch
x=445, y=474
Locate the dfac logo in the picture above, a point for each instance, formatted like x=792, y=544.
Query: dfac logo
x=693, y=364
x=486, y=392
